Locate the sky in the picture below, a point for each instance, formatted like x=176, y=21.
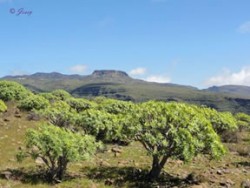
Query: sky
x=190, y=42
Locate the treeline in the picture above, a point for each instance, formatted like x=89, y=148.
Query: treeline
x=76, y=128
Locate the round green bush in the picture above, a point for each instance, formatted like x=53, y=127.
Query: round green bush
x=34, y=102
x=10, y=91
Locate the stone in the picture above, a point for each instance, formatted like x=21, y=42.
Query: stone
x=219, y=172
x=6, y=119
x=104, y=163
x=109, y=181
x=35, y=149
x=17, y=111
x=18, y=115
x=12, y=160
x=244, y=171
x=39, y=161
x=230, y=182
x=203, y=185
x=245, y=184
x=117, y=154
x=33, y=117
x=116, y=150
x=197, y=178
x=7, y=174
x=226, y=171
x=223, y=184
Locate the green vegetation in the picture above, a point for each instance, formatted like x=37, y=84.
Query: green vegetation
x=141, y=141
x=57, y=147
x=49, y=96
x=113, y=106
x=80, y=104
x=3, y=107
x=61, y=94
x=10, y=91
x=174, y=130
x=33, y=102
x=59, y=113
x=104, y=126
x=221, y=121
x=243, y=121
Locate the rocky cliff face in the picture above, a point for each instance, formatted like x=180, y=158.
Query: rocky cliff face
x=110, y=73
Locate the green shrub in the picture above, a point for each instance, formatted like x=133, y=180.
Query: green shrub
x=106, y=119
x=221, y=121
x=3, y=107
x=243, y=121
x=10, y=91
x=60, y=114
x=173, y=130
x=103, y=125
x=56, y=147
x=49, y=96
x=61, y=94
x=114, y=106
x=80, y=104
x=34, y=102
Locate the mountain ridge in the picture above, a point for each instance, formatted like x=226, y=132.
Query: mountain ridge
x=119, y=85
x=233, y=89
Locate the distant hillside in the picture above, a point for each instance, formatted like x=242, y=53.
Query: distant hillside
x=43, y=82
x=118, y=84
x=238, y=90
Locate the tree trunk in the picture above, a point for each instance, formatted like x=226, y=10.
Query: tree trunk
x=157, y=167
x=62, y=165
x=51, y=174
x=155, y=172
x=57, y=171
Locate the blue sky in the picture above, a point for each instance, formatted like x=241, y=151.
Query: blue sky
x=190, y=42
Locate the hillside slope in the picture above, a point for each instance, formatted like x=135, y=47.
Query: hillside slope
x=117, y=84
x=238, y=90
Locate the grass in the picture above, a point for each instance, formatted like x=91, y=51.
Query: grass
x=106, y=170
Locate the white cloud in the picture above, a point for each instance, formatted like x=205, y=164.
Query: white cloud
x=158, y=78
x=228, y=77
x=79, y=69
x=138, y=71
x=244, y=28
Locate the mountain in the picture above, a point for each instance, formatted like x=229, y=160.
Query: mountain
x=45, y=82
x=238, y=90
x=119, y=85
x=40, y=75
